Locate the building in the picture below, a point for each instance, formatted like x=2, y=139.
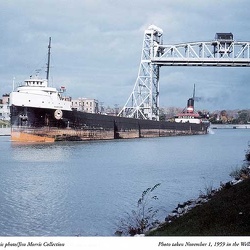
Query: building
x=85, y=105
x=5, y=108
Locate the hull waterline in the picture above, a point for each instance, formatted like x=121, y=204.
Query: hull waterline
x=43, y=125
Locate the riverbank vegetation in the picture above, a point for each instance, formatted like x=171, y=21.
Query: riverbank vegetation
x=225, y=212
x=230, y=117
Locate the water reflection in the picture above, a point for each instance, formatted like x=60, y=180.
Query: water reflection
x=39, y=152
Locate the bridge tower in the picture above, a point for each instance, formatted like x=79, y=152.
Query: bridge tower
x=143, y=102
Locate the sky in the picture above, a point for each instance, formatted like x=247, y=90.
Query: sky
x=96, y=47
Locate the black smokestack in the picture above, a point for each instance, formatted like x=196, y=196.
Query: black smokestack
x=190, y=103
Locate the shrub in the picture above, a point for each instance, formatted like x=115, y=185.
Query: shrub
x=143, y=218
x=208, y=190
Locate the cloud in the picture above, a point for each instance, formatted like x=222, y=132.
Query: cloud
x=96, y=46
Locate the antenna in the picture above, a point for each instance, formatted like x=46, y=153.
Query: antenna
x=48, y=64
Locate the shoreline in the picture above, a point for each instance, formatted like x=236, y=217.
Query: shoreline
x=181, y=221
x=230, y=126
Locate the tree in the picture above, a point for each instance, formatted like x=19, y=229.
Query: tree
x=243, y=116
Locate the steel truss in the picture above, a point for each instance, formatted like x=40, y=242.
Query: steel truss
x=213, y=53
x=143, y=102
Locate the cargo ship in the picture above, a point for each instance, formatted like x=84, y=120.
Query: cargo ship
x=40, y=113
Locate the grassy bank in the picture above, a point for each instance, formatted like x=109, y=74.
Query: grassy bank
x=227, y=213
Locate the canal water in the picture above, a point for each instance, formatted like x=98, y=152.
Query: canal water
x=86, y=188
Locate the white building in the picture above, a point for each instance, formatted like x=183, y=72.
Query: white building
x=5, y=108
x=85, y=105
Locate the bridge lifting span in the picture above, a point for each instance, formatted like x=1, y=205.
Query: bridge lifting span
x=223, y=51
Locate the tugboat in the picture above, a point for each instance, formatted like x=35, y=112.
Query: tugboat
x=189, y=115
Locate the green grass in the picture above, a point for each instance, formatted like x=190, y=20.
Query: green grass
x=226, y=214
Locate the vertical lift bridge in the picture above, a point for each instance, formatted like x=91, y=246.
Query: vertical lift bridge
x=223, y=51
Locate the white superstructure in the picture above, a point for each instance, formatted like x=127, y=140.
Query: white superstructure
x=188, y=117
x=36, y=93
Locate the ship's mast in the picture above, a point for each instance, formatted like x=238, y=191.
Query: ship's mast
x=193, y=96
x=48, y=63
